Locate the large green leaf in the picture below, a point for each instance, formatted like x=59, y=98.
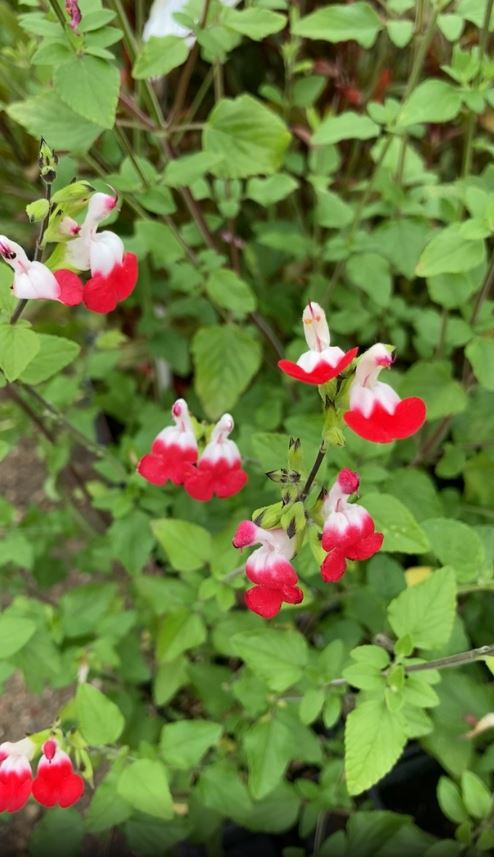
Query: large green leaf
x=187, y=545
x=144, y=785
x=226, y=358
x=426, y=611
x=250, y=137
x=458, y=545
x=480, y=352
x=401, y=530
x=345, y=126
x=255, y=23
x=432, y=101
x=159, y=56
x=14, y=634
x=183, y=744
x=54, y=354
x=18, y=347
x=268, y=747
x=177, y=633
x=339, y=22
x=374, y=740
x=278, y=657
x=90, y=87
x=100, y=720
x=226, y=289
x=432, y=380
x=450, y=253
x=46, y=115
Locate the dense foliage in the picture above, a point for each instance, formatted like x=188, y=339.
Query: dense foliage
x=267, y=156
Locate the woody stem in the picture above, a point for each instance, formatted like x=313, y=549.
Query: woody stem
x=315, y=470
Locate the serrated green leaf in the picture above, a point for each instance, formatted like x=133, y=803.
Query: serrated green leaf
x=54, y=354
x=90, y=87
x=341, y=23
x=183, y=745
x=456, y=544
x=144, y=785
x=158, y=56
x=177, y=633
x=345, y=126
x=187, y=545
x=278, y=657
x=18, y=347
x=268, y=747
x=450, y=253
x=374, y=740
x=255, y=23
x=226, y=289
x=100, y=720
x=226, y=358
x=401, y=530
x=426, y=611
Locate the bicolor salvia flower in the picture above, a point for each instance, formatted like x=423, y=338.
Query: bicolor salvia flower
x=269, y=568
x=16, y=777
x=56, y=783
x=172, y=450
x=219, y=471
x=349, y=531
x=34, y=281
x=376, y=411
x=113, y=271
x=323, y=361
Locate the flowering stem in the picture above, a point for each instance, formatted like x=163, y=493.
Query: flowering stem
x=315, y=469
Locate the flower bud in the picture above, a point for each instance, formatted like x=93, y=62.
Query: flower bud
x=268, y=516
x=47, y=160
x=295, y=454
x=37, y=210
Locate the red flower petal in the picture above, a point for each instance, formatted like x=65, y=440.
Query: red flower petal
x=292, y=594
x=203, y=482
x=199, y=483
x=71, y=790
x=100, y=294
x=332, y=538
x=124, y=276
x=15, y=788
x=382, y=427
x=334, y=566
x=321, y=374
x=231, y=483
x=263, y=601
x=275, y=573
x=365, y=548
x=153, y=469
x=71, y=287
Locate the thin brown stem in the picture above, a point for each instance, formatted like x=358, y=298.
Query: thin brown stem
x=313, y=473
x=188, y=69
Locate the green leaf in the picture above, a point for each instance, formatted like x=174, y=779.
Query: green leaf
x=144, y=785
x=374, y=740
x=449, y=799
x=187, y=169
x=270, y=190
x=14, y=634
x=426, y=611
x=480, y=353
x=226, y=358
x=59, y=834
x=432, y=381
x=187, y=545
x=458, y=545
x=18, y=347
x=158, y=240
x=432, y=101
x=346, y=126
x=100, y=720
x=226, y=289
x=90, y=87
x=54, y=354
x=311, y=704
x=341, y=23
x=107, y=809
x=250, y=137
x=476, y=796
x=451, y=26
x=452, y=290
x=450, y=253
x=400, y=32
x=277, y=657
x=183, y=744
x=45, y=115
x=332, y=211
x=222, y=790
x=158, y=56
x=268, y=748
x=401, y=530
x=371, y=273
x=177, y=633
x=255, y=23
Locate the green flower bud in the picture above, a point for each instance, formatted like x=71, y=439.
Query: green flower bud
x=37, y=210
x=283, y=476
x=268, y=516
x=47, y=161
x=293, y=519
x=332, y=432
x=295, y=454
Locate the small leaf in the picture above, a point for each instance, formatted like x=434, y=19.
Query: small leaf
x=480, y=353
x=268, y=747
x=476, y=796
x=277, y=657
x=144, y=785
x=456, y=544
x=18, y=347
x=227, y=290
x=255, y=23
x=345, y=126
x=177, y=633
x=187, y=545
x=14, y=634
x=183, y=744
x=426, y=611
x=159, y=56
x=374, y=740
x=432, y=101
x=226, y=358
x=341, y=23
x=100, y=720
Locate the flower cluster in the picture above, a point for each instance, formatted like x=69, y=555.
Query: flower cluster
x=372, y=410
x=113, y=272
x=174, y=457
x=55, y=782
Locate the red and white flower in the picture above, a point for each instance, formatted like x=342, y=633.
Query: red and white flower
x=34, y=281
x=55, y=781
x=113, y=271
x=173, y=450
x=376, y=411
x=15, y=774
x=349, y=531
x=269, y=568
x=219, y=471
x=323, y=361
